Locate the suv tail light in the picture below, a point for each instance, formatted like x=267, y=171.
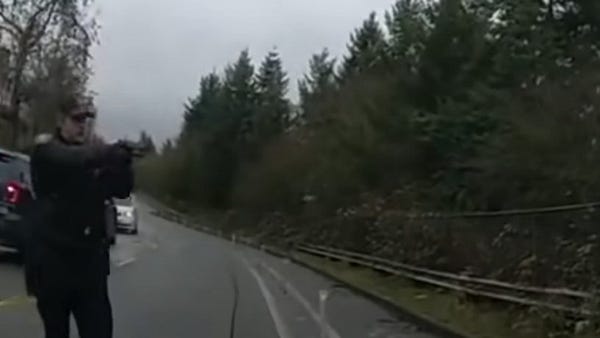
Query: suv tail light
x=13, y=192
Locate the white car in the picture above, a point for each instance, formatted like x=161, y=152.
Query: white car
x=127, y=218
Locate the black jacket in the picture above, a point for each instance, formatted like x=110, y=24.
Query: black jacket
x=71, y=183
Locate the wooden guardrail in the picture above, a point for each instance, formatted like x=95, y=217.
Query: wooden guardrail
x=591, y=206
x=568, y=301
x=460, y=278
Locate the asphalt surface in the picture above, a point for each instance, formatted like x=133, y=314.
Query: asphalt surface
x=173, y=282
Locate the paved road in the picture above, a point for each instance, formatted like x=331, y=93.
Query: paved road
x=170, y=281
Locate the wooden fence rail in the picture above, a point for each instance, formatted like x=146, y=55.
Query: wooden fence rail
x=478, y=287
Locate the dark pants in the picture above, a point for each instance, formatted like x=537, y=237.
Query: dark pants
x=67, y=287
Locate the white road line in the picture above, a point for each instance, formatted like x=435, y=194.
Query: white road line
x=16, y=300
x=7, y=249
x=282, y=329
x=331, y=332
x=125, y=262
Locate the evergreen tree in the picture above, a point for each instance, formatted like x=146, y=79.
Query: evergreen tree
x=274, y=108
x=147, y=143
x=454, y=80
x=240, y=96
x=319, y=80
x=408, y=28
x=454, y=51
x=167, y=147
x=227, y=108
x=203, y=109
x=366, y=50
x=544, y=40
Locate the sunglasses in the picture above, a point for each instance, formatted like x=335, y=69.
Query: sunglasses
x=81, y=117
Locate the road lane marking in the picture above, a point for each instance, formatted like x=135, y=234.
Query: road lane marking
x=122, y=263
x=282, y=329
x=16, y=301
x=322, y=322
x=8, y=249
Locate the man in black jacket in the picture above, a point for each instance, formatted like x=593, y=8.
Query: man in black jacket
x=68, y=260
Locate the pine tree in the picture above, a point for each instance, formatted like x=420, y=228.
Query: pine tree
x=543, y=40
x=167, y=147
x=319, y=81
x=203, y=109
x=455, y=54
x=147, y=143
x=366, y=50
x=274, y=108
x=408, y=28
x=453, y=83
x=240, y=96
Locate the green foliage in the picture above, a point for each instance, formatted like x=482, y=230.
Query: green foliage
x=218, y=134
x=147, y=143
x=459, y=105
x=409, y=29
x=240, y=97
x=366, y=50
x=548, y=150
x=463, y=103
x=201, y=111
x=273, y=113
x=317, y=84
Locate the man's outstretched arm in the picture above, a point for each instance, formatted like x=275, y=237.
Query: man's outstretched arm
x=52, y=153
x=121, y=182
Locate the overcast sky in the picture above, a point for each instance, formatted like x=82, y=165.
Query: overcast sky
x=152, y=53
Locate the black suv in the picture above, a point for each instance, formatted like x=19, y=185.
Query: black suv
x=15, y=194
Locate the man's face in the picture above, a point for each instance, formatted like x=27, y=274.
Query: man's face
x=76, y=126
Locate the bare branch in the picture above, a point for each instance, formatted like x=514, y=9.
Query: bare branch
x=88, y=39
x=10, y=22
x=10, y=31
x=44, y=27
x=33, y=20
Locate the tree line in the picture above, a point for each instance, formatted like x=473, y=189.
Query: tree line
x=443, y=105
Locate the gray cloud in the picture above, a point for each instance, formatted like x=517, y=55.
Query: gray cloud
x=152, y=53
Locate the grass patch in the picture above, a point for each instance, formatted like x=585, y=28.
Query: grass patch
x=459, y=313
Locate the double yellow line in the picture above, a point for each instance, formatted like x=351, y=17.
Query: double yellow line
x=16, y=301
